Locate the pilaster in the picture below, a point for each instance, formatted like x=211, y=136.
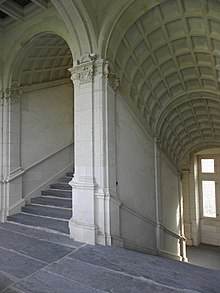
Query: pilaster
x=95, y=201
x=157, y=178
x=11, y=182
x=181, y=223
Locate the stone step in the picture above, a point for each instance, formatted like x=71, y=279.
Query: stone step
x=57, y=193
x=41, y=222
x=70, y=174
x=47, y=211
x=62, y=186
x=65, y=179
x=54, y=202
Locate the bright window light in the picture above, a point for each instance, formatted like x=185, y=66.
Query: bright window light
x=208, y=165
x=209, y=204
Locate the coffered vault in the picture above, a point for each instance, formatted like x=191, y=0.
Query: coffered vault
x=167, y=57
x=166, y=54
x=46, y=58
x=11, y=10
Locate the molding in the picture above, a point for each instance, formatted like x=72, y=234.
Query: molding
x=48, y=156
x=123, y=98
x=169, y=255
x=45, y=85
x=16, y=208
x=128, y=244
x=14, y=175
x=83, y=232
x=83, y=182
x=136, y=214
x=19, y=172
x=117, y=241
x=171, y=233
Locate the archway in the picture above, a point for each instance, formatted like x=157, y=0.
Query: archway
x=40, y=101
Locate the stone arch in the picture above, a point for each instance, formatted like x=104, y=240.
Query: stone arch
x=53, y=26
x=46, y=57
x=74, y=13
x=39, y=102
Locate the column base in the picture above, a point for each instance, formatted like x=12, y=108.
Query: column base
x=3, y=216
x=82, y=232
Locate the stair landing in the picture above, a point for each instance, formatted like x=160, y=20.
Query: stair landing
x=35, y=261
x=50, y=211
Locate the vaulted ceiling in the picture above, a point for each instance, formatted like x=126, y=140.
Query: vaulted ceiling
x=166, y=53
x=46, y=58
x=17, y=10
x=168, y=60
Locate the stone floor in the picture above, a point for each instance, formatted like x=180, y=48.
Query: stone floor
x=207, y=256
x=40, y=262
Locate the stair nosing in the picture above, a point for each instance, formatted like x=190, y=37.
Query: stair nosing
x=47, y=217
x=55, y=189
x=43, y=205
x=56, y=207
x=55, y=197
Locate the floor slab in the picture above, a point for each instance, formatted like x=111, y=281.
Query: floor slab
x=29, y=264
x=32, y=247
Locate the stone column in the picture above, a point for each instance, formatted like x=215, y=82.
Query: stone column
x=11, y=179
x=95, y=217
x=194, y=201
x=2, y=163
x=181, y=223
x=157, y=178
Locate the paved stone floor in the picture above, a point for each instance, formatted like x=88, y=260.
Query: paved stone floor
x=36, y=261
x=207, y=256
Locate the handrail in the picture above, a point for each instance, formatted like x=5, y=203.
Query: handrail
x=147, y=220
x=138, y=215
x=169, y=231
x=23, y=171
x=47, y=157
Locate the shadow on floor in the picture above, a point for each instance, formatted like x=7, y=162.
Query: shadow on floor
x=204, y=255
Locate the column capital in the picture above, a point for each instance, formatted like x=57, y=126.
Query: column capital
x=158, y=142
x=83, y=72
x=2, y=96
x=11, y=95
x=112, y=78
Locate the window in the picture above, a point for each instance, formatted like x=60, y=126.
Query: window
x=208, y=193
x=208, y=165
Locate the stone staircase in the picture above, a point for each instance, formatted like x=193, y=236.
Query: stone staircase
x=51, y=211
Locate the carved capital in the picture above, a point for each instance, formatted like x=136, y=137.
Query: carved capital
x=13, y=95
x=112, y=78
x=157, y=140
x=2, y=97
x=84, y=73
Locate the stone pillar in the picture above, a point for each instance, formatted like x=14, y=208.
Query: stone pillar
x=11, y=179
x=181, y=223
x=157, y=178
x=96, y=205
x=194, y=201
x=186, y=206
x=2, y=163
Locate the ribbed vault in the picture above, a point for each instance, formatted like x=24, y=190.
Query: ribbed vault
x=168, y=60
x=46, y=58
